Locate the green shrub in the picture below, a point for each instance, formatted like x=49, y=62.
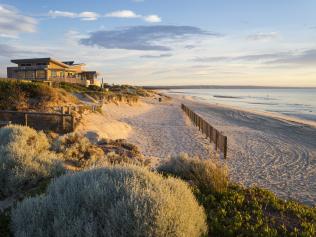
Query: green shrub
x=256, y=212
x=117, y=201
x=79, y=151
x=24, y=158
x=204, y=174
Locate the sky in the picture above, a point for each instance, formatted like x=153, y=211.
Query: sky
x=168, y=42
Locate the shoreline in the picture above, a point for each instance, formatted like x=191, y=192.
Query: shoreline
x=274, y=115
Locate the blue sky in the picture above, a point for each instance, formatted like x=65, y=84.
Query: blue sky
x=169, y=42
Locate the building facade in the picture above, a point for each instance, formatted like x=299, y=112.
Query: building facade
x=51, y=70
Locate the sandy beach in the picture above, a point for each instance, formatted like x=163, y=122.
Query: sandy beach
x=270, y=152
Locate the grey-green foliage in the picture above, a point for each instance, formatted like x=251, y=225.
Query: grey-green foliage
x=25, y=158
x=113, y=201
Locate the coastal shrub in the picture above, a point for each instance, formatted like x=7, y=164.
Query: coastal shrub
x=115, y=201
x=206, y=175
x=256, y=212
x=25, y=158
x=79, y=151
x=22, y=95
x=121, y=152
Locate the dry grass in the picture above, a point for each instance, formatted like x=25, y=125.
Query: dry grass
x=78, y=151
x=23, y=95
x=206, y=175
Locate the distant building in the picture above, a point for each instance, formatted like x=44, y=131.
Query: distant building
x=51, y=70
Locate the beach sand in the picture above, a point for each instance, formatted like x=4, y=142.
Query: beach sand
x=270, y=152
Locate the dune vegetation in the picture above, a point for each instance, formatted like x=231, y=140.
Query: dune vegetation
x=233, y=210
x=116, y=201
x=25, y=159
x=23, y=95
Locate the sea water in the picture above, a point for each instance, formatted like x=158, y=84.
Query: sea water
x=300, y=103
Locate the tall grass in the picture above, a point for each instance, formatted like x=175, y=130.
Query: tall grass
x=117, y=201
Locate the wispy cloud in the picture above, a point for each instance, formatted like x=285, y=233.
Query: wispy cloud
x=250, y=57
x=143, y=37
x=166, y=55
x=263, y=36
x=307, y=57
x=91, y=16
x=12, y=22
x=86, y=16
x=302, y=57
x=9, y=51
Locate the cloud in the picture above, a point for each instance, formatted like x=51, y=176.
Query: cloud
x=152, y=18
x=131, y=14
x=307, y=57
x=123, y=14
x=92, y=16
x=157, y=56
x=142, y=37
x=12, y=22
x=8, y=51
x=297, y=58
x=85, y=16
x=250, y=57
x=263, y=36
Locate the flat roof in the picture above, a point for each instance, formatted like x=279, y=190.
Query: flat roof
x=35, y=60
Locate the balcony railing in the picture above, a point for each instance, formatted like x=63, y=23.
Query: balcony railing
x=28, y=68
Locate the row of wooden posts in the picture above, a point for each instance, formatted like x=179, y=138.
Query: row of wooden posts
x=211, y=133
x=26, y=115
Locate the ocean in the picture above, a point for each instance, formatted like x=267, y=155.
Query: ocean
x=300, y=103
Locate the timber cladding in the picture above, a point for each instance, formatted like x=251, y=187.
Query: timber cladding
x=214, y=136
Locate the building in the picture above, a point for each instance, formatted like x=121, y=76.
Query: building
x=51, y=70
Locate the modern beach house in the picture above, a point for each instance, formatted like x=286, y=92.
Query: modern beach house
x=51, y=70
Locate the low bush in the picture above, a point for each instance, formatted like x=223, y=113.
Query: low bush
x=117, y=201
x=256, y=212
x=120, y=151
x=206, y=175
x=25, y=159
x=79, y=151
x=233, y=210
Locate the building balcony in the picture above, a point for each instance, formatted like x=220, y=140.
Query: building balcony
x=28, y=68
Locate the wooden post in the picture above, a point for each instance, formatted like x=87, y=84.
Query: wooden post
x=25, y=119
x=62, y=118
x=225, y=147
x=73, y=125
x=216, y=139
x=211, y=134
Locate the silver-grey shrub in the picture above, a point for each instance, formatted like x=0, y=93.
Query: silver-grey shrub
x=112, y=201
x=25, y=158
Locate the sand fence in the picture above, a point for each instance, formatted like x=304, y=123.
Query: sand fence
x=215, y=136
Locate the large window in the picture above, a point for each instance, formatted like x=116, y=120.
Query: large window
x=54, y=73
